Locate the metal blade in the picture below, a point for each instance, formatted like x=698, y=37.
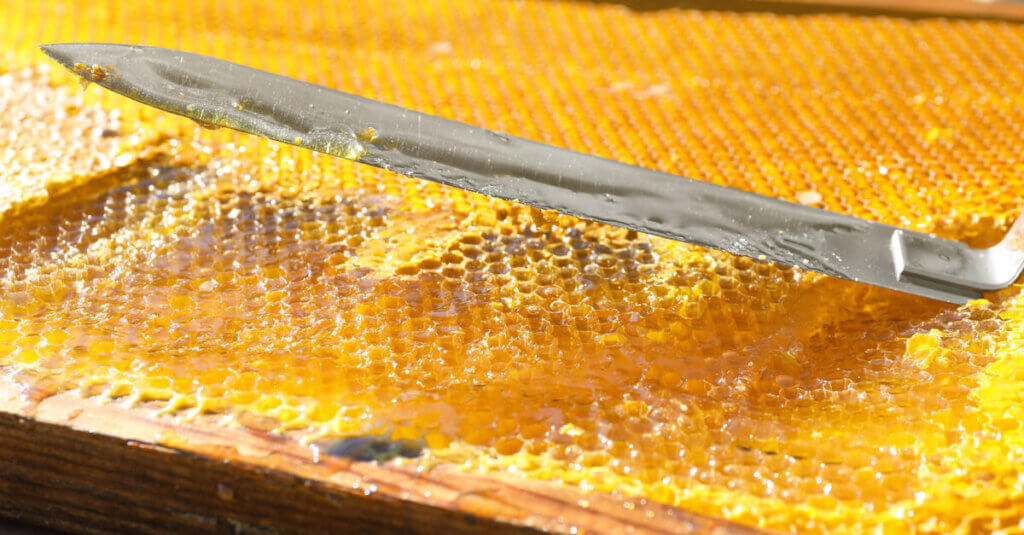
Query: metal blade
x=226, y=94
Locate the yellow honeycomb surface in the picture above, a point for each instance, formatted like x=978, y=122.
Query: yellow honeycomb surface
x=145, y=259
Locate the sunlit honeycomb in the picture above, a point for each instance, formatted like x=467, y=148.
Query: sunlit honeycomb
x=144, y=259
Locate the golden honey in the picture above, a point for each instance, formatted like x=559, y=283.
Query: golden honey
x=145, y=259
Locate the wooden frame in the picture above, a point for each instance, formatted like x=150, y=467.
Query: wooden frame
x=950, y=8
x=970, y=9
x=79, y=464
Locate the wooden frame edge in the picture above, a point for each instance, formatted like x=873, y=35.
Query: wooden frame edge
x=76, y=464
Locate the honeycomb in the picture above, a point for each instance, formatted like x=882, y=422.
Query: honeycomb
x=144, y=259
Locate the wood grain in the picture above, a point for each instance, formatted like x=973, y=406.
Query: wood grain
x=962, y=9
x=92, y=467
x=949, y=8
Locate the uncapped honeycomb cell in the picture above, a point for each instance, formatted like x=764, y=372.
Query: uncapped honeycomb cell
x=207, y=272
x=52, y=140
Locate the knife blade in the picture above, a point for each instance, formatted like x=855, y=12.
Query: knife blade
x=217, y=92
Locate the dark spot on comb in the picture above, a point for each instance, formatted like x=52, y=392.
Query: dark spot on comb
x=374, y=448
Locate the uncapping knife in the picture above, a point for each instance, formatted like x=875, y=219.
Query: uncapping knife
x=217, y=92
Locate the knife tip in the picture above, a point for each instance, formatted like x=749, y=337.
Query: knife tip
x=63, y=53
x=91, y=61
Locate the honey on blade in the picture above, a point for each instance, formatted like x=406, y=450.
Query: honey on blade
x=213, y=273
